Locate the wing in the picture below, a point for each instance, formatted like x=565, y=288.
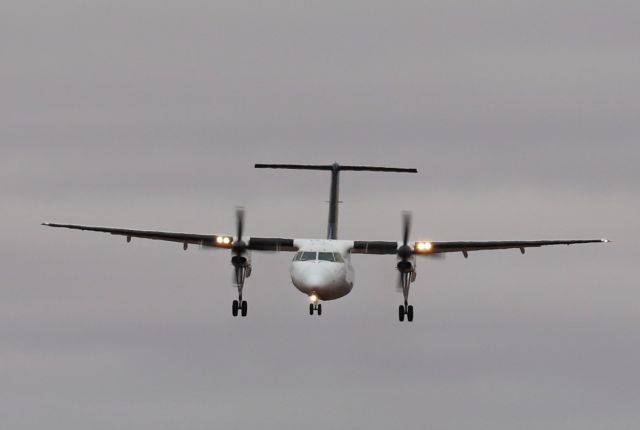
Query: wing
x=375, y=247
x=206, y=240
x=440, y=247
x=426, y=248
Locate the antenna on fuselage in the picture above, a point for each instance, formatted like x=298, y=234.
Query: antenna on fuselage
x=335, y=169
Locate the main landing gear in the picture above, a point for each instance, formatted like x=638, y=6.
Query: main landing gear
x=405, y=310
x=315, y=308
x=405, y=281
x=239, y=305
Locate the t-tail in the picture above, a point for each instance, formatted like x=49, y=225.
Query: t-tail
x=335, y=169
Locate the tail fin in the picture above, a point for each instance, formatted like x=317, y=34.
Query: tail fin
x=335, y=168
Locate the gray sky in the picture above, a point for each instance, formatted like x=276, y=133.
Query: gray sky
x=522, y=118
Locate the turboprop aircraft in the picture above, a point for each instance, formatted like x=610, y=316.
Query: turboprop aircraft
x=321, y=268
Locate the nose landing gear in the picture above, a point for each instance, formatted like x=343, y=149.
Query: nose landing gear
x=315, y=307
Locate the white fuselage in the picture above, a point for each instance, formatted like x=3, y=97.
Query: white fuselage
x=322, y=268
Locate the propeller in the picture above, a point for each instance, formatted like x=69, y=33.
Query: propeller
x=239, y=246
x=238, y=249
x=404, y=251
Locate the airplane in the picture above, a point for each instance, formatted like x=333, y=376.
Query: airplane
x=321, y=268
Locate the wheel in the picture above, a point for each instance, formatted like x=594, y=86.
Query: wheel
x=311, y=309
x=401, y=313
x=319, y=308
x=410, y=313
x=234, y=308
x=243, y=308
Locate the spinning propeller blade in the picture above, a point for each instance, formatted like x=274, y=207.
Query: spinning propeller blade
x=239, y=246
x=405, y=252
x=406, y=227
x=239, y=223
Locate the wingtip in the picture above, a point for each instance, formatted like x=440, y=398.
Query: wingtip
x=45, y=223
x=605, y=240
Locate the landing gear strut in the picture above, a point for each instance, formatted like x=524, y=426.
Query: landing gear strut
x=240, y=305
x=406, y=309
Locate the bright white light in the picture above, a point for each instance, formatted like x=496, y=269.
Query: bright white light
x=226, y=240
x=313, y=298
x=424, y=246
x=219, y=239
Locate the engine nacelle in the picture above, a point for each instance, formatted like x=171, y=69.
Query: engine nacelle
x=243, y=260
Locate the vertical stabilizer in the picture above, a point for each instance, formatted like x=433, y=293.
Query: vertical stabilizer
x=334, y=194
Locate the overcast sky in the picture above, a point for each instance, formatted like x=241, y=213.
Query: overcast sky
x=522, y=118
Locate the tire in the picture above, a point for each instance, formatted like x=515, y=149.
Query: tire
x=401, y=313
x=319, y=308
x=234, y=308
x=410, y=313
x=311, y=309
x=243, y=308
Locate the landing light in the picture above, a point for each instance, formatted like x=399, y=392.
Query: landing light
x=223, y=240
x=424, y=246
x=313, y=298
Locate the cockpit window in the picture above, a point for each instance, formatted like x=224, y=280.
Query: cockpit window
x=308, y=256
x=322, y=256
x=326, y=256
x=330, y=256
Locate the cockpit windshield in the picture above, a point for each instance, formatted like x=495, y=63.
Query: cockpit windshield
x=330, y=256
x=308, y=256
x=326, y=256
x=333, y=257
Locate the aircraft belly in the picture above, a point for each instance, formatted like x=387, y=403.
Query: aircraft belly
x=325, y=292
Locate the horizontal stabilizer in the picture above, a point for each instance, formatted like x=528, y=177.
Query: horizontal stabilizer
x=334, y=167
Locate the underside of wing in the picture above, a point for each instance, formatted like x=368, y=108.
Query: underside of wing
x=206, y=240
x=424, y=248
x=219, y=241
x=374, y=247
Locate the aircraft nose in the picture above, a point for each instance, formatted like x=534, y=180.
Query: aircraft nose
x=318, y=278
